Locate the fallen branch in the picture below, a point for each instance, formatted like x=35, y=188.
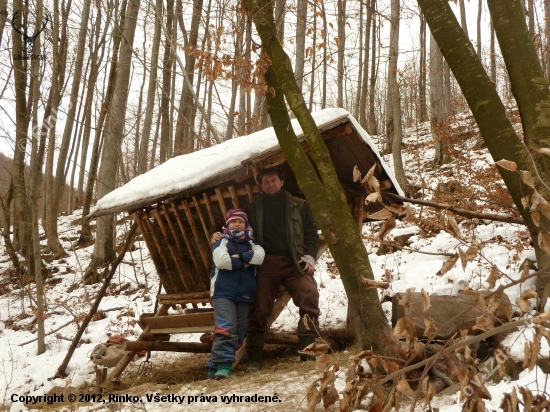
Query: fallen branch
x=395, y=245
x=61, y=370
x=458, y=211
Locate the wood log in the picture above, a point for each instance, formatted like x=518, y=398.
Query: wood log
x=276, y=338
x=192, y=347
x=442, y=310
x=181, y=321
x=147, y=336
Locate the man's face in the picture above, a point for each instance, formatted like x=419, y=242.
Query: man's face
x=271, y=184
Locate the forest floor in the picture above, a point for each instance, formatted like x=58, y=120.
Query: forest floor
x=470, y=180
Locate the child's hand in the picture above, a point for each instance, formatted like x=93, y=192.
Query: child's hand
x=236, y=256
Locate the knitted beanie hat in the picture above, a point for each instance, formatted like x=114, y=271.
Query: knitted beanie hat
x=235, y=214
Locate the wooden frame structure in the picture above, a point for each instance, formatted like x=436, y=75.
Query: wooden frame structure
x=177, y=229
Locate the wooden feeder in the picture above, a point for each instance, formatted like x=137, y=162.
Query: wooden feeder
x=178, y=215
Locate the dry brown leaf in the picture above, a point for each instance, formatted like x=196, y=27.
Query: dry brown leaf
x=537, y=200
x=322, y=361
x=330, y=397
x=544, y=240
x=386, y=227
x=351, y=371
x=377, y=407
x=506, y=308
x=397, y=399
x=425, y=301
x=534, y=354
x=390, y=367
x=356, y=174
x=535, y=215
x=493, y=276
x=501, y=359
x=315, y=349
x=526, y=201
x=471, y=253
x=375, y=283
x=385, y=184
x=525, y=270
x=526, y=354
x=527, y=398
x=463, y=260
x=542, y=331
x=544, y=150
x=313, y=397
x=380, y=215
x=404, y=328
x=523, y=304
x=404, y=388
x=507, y=164
x=368, y=175
x=529, y=294
x=527, y=178
x=543, y=317
x=429, y=394
x=374, y=363
x=430, y=330
x=484, y=323
x=469, y=292
x=406, y=301
x=373, y=197
x=411, y=219
x=452, y=226
x=545, y=210
x=448, y=265
x=480, y=302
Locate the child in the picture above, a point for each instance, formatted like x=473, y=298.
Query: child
x=232, y=289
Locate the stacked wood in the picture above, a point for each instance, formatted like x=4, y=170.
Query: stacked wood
x=443, y=309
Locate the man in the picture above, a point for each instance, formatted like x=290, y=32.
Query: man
x=284, y=226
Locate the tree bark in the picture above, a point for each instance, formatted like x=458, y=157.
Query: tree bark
x=324, y=194
x=166, y=81
x=301, y=18
x=479, y=11
x=547, y=36
x=372, y=124
x=463, y=17
x=437, y=99
x=114, y=132
x=341, y=20
x=422, y=108
x=364, y=90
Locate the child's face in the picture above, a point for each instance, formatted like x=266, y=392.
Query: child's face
x=237, y=224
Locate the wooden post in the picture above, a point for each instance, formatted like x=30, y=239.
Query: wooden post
x=221, y=201
x=176, y=254
x=189, y=245
x=203, y=222
x=234, y=197
x=204, y=255
x=357, y=210
x=160, y=249
x=61, y=370
x=193, y=347
x=209, y=208
x=249, y=192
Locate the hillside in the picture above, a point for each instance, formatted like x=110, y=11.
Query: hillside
x=469, y=180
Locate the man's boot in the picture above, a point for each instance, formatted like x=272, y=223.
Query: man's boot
x=306, y=336
x=254, y=349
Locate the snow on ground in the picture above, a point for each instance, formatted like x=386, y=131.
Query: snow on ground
x=135, y=285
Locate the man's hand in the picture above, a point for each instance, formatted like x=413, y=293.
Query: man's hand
x=215, y=237
x=308, y=269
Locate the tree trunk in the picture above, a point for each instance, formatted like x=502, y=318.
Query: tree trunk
x=547, y=36
x=372, y=124
x=493, y=60
x=437, y=99
x=364, y=90
x=395, y=96
x=341, y=20
x=114, y=132
x=324, y=100
x=301, y=18
x=531, y=17
x=324, y=194
x=463, y=17
x=422, y=108
x=479, y=11
x=151, y=92
x=166, y=80
x=530, y=89
x=314, y=57
x=3, y=18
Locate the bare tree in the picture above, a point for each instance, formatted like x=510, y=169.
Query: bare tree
x=301, y=18
x=437, y=100
x=422, y=108
x=166, y=80
x=479, y=11
x=372, y=126
x=463, y=17
x=341, y=20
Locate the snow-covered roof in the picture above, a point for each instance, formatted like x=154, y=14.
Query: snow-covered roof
x=189, y=172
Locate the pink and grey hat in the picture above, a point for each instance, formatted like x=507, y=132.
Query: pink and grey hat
x=235, y=214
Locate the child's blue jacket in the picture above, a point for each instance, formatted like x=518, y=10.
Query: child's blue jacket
x=229, y=277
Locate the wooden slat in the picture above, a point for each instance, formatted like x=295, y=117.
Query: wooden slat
x=189, y=247
x=203, y=222
x=190, y=301
x=209, y=208
x=184, y=296
x=161, y=251
x=204, y=255
x=190, y=329
x=249, y=192
x=176, y=254
x=221, y=201
x=192, y=347
x=145, y=232
x=180, y=321
x=234, y=197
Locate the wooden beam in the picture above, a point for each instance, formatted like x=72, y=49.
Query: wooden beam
x=234, y=197
x=161, y=251
x=209, y=208
x=193, y=347
x=150, y=337
x=203, y=222
x=183, y=320
x=176, y=254
x=189, y=247
x=249, y=192
x=221, y=201
x=184, y=296
x=205, y=256
x=188, y=329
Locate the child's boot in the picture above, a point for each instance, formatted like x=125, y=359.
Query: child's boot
x=223, y=372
